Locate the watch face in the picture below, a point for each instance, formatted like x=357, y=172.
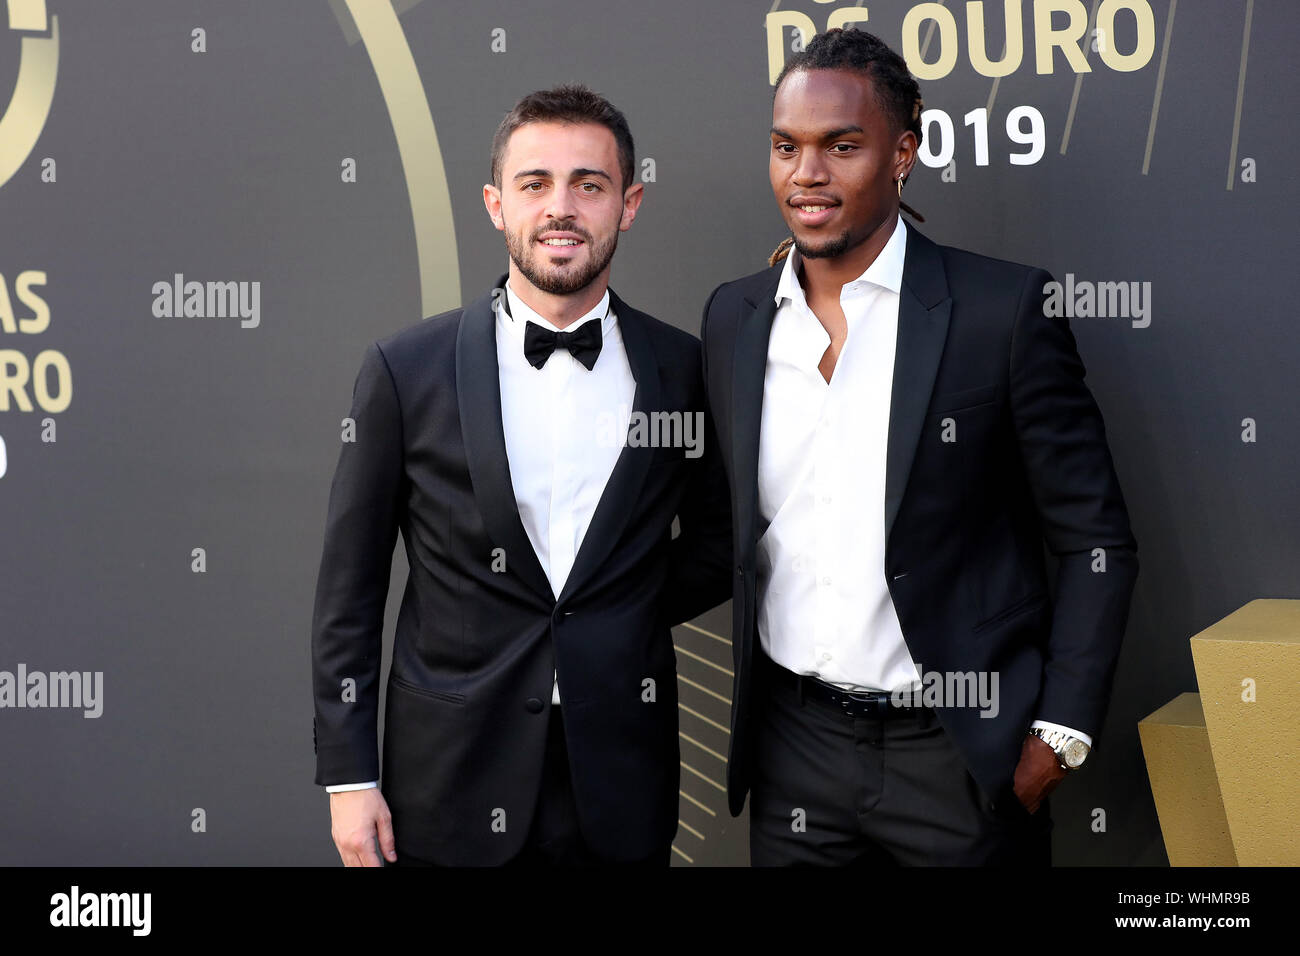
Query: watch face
x=1074, y=753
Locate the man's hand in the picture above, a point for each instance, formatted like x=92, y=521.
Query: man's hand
x=1038, y=772
x=356, y=816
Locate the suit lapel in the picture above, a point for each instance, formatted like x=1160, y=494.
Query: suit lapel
x=624, y=485
x=924, y=307
x=748, y=372
x=478, y=394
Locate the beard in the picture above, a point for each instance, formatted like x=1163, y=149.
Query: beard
x=828, y=249
x=570, y=276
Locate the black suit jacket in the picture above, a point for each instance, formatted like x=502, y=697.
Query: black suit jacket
x=965, y=521
x=476, y=642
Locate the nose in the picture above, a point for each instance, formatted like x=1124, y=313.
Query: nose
x=810, y=170
x=561, y=206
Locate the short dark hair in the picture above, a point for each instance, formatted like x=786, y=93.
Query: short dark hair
x=865, y=53
x=570, y=103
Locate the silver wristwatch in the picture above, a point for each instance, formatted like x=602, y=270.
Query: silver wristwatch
x=1070, y=751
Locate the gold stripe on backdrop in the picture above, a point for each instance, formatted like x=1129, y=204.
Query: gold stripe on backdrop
x=417, y=145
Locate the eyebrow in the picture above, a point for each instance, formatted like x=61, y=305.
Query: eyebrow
x=829, y=134
x=577, y=174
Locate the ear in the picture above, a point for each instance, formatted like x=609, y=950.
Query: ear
x=905, y=154
x=631, y=203
x=492, y=202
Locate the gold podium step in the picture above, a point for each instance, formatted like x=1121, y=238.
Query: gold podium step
x=1248, y=670
x=1181, y=769
x=1228, y=757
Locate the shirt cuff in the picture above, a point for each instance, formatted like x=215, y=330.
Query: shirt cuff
x=1048, y=725
x=338, y=787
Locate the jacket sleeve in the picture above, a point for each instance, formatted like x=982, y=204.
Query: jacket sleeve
x=347, y=624
x=1062, y=443
x=700, y=569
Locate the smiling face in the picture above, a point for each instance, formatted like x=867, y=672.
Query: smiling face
x=834, y=161
x=561, y=204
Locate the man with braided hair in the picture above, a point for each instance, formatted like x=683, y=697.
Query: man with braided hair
x=903, y=428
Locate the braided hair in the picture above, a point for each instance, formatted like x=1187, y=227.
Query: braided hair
x=895, y=87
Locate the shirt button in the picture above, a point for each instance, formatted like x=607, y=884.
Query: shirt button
x=826, y=657
x=826, y=581
x=826, y=499
x=533, y=705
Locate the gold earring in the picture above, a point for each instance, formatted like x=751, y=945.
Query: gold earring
x=899, y=181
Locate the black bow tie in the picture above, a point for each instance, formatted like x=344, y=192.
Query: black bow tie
x=583, y=343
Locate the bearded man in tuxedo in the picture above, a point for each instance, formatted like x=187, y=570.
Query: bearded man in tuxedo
x=531, y=712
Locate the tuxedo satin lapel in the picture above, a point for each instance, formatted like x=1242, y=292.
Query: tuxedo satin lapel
x=748, y=372
x=924, y=307
x=478, y=394
x=625, y=481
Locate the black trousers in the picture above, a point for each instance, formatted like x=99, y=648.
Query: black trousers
x=833, y=790
x=554, y=835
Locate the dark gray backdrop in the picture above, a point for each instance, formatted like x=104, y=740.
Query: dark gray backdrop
x=197, y=433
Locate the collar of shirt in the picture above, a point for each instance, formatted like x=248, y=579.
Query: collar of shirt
x=886, y=271
x=520, y=314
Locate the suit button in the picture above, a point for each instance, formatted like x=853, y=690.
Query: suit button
x=534, y=705
x=740, y=570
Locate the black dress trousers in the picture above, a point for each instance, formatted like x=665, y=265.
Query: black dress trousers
x=555, y=835
x=833, y=790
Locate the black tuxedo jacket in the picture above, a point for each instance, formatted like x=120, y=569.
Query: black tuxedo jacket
x=965, y=520
x=479, y=632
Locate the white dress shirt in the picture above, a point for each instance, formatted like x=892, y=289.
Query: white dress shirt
x=824, y=608
x=557, y=422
